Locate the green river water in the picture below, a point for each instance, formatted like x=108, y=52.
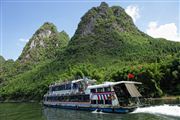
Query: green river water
x=36, y=111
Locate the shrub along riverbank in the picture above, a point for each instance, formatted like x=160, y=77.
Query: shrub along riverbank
x=159, y=79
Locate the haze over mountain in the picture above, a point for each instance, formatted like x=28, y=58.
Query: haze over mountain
x=106, y=46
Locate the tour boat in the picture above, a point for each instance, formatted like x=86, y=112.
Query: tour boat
x=84, y=94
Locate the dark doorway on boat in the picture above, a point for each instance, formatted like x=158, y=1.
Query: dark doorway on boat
x=127, y=94
x=122, y=94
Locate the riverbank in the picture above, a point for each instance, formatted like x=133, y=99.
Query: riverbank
x=161, y=101
x=166, y=98
x=20, y=101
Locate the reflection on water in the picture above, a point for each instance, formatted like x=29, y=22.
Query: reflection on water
x=158, y=112
x=35, y=111
x=140, y=114
x=148, y=113
x=21, y=111
x=162, y=112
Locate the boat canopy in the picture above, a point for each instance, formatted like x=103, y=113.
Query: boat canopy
x=132, y=90
x=108, y=84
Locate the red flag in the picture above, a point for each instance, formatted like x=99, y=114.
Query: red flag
x=130, y=76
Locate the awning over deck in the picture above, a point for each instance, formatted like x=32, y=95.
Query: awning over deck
x=132, y=90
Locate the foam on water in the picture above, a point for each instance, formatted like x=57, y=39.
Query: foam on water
x=95, y=111
x=170, y=110
x=98, y=112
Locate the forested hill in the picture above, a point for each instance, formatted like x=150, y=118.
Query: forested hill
x=109, y=33
x=106, y=46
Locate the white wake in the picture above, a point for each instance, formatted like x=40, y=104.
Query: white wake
x=98, y=112
x=170, y=110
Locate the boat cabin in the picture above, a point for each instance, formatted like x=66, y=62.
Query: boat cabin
x=123, y=93
x=84, y=94
x=71, y=91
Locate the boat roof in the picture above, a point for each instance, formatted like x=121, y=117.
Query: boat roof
x=108, y=84
x=73, y=81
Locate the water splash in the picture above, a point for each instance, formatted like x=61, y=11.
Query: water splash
x=95, y=111
x=98, y=112
x=170, y=110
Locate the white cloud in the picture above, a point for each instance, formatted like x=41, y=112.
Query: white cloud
x=168, y=31
x=23, y=40
x=133, y=11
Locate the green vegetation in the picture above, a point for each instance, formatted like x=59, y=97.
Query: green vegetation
x=2, y=60
x=106, y=46
x=44, y=44
x=6, y=67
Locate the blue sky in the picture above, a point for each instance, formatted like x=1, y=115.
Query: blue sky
x=20, y=19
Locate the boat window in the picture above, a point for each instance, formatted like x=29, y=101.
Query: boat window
x=100, y=101
x=75, y=86
x=100, y=90
x=45, y=98
x=68, y=86
x=62, y=98
x=73, y=98
x=107, y=89
x=85, y=98
x=108, y=102
x=59, y=98
x=56, y=88
x=93, y=90
x=60, y=87
x=65, y=98
x=93, y=101
x=52, y=88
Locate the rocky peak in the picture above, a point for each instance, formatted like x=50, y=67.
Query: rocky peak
x=103, y=7
x=48, y=25
x=46, y=31
x=43, y=44
x=107, y=18
x=103, y=4
x=45, y=34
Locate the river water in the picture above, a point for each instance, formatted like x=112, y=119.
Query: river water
x=35, y=111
